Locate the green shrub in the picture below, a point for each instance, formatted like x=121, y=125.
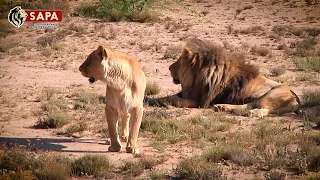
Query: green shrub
x=114, y=10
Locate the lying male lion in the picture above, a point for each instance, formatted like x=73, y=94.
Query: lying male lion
x=213, y=77
x=126, y=84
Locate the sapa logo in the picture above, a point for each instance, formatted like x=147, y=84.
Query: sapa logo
x=44, y=16
x=18, y=16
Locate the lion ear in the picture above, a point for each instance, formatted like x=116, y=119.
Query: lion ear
x=101, y=52
x=189, y=52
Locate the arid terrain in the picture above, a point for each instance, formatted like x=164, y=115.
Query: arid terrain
x=40, y=81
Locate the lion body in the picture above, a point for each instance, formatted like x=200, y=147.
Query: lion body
x=213, y=77
x=125, y=86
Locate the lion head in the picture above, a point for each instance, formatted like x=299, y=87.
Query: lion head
x=209, y=74
x=94, y=67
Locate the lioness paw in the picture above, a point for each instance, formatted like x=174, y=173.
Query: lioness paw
x=124, y=138
x=132, y=150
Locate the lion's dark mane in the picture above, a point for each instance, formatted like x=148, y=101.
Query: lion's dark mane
x=218, y=76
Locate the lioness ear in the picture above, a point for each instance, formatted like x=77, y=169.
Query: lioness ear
x=101, y=52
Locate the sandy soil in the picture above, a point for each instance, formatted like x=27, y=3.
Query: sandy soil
x=25, y=72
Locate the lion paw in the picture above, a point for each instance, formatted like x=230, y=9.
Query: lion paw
x=219, y=108
x=132, y=150
x=115, y=148
x=260, y=113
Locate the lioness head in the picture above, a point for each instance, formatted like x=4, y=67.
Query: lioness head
x=183, y=64
x=94, y=67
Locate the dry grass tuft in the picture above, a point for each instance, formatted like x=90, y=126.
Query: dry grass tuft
x=152, y=88
x=278, y=71
x=55, y=119
x=198, y=168
x=308, y=63
x=172, y=52
x=311, y=97
x=91, y=165
x=261, y=51
x=252, y=30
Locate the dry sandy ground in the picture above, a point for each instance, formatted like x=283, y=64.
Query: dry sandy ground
x=25, y=71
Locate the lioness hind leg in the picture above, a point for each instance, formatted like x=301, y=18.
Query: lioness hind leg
x=112, y=119
x=135, y=122
x=125, y=127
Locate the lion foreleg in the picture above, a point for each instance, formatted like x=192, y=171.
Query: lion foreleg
x=135, y=122
x=112, y=119
x=173, y=100
x=125, y=127
x=238, y=109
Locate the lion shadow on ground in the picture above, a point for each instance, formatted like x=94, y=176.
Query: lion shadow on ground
x=47, y=144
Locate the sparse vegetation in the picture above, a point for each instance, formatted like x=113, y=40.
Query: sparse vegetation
x=311, y=97
x=252, y=30
x=91, y=165
x=307, y=48
x=261, y=51
x=5, y=28
x=135, y=11
x=172, y=52
x=198, y=168
x=244, y=8
x=152, y=88
x=309, y=63
x=55, y=119
x=277, y=71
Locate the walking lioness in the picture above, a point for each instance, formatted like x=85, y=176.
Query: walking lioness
x=125, y=87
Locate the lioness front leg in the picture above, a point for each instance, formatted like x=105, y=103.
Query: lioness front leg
x=112, y=119
x=125, y=127
x=135, y=122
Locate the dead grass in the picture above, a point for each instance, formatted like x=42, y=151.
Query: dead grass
x=172, y=52
x=54, y=105
x=90, y=165
x=152, y=88
x=308, y=63
x=17, y=163
x=307, y=48
x=169, y=129
x=252, y=30
x=198, y=168
x=88, y=100
x=7, y=44
x=238, y=11
x=261, y=51
x=277, y=71
x=275, y=175
x=133, y=168
x=55, y=119
x=6, y=28
x=311, y=97
x=75, y=128
x=173, y=26
x=286, y=30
